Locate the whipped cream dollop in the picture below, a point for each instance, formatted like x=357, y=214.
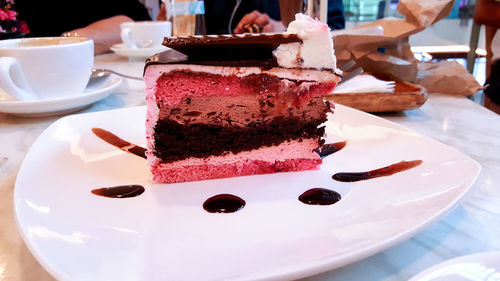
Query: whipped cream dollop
x=316, y=49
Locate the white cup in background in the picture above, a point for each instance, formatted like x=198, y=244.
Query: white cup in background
x=45, y=68
x=145, y=34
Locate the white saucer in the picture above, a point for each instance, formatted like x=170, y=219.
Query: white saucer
x=142, y=53
x=61, y=105
x=475, y=267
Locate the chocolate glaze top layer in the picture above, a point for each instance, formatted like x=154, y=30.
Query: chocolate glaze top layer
x=223, y=50
x=175, y=57
x=248, y=50
x=240, y=47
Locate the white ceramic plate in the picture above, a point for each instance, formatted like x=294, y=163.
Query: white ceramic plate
x=475, y=267
x=139, y=53
x=61, y=105
x=165, y=234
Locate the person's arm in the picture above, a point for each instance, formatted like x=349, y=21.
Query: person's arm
x=105, y=33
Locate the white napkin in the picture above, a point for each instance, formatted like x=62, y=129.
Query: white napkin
x=365, y=83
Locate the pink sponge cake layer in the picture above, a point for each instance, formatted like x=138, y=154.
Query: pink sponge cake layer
x=288, y=157
x=252, y=167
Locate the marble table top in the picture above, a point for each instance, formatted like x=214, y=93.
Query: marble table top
x=472, y=227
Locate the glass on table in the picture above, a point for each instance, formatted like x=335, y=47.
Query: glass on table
x=316, y=9
x=187, y=16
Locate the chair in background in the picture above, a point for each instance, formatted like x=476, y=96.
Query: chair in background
x=473, y=43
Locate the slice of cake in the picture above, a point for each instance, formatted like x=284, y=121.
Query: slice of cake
x=225, y=106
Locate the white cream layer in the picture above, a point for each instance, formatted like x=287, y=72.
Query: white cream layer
x=316, y=49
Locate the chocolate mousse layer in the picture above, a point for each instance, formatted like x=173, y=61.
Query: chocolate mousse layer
x=236, y=101
x=239, y=110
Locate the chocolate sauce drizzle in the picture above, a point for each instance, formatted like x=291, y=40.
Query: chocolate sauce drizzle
x=228, y=203
x=224, y=203
x=319, y=196
x=382, y=172
x=120, y=143
x=329, y=148
x=121, y=191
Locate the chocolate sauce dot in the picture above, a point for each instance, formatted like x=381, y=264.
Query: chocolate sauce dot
x=319, y=196
x=121, y=191
x=224, y=203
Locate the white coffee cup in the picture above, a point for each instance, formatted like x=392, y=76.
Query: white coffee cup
x=46, y=67
x=145, y=34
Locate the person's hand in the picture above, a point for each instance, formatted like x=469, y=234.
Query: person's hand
x=263, y=20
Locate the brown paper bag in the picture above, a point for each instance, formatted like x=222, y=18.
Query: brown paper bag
x=392, y=66
x=423, y=13
x=389, y=36
x=447, y=77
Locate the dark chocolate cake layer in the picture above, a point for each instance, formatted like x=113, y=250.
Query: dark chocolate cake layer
x=174, y=141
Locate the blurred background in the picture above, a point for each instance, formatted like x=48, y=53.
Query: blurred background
x=449, y=39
